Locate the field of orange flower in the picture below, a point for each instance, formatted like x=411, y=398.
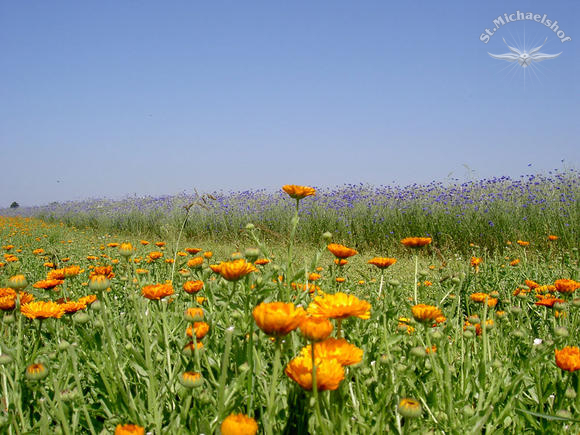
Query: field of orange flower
x=107, y=333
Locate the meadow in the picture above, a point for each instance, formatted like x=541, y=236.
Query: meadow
x=440, y=308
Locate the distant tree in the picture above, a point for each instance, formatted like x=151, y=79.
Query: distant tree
x=14, y=205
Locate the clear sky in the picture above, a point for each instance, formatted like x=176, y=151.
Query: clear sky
x=115, y=98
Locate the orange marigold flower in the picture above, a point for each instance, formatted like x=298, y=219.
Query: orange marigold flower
x=192, y=287
x=126, y=249
x=154, y=255
x=566, y=285
x=55, y=274
x=157, y=291
x=427, y=283
x=89, y=299
x=195, y=262
x=73, y=306
x=340, y=279
x=144, y=242
x=47, y=284
x=515, y=262
x=483, y=297
x=239, y=424
x=207, y=254
x=552, y=238
x=201, y=329
x=549, y=301
x=416, y=242
x=17, y=282
x=382, y=262
x=315, y=328
x=568, y=358
x=476, y=261
x=113, y=245
x=42, y=310
x=38, y=251
x=340, y=262
x=7, y=303
x=314, y=277
x=194, y=314
x=523, y=243
x=160, y=244
x=278, y=318
x=532, y=284
x=298, y=192
x=236, y=269
x=6, y=291
x=339, y=349
x=329, y=373
x=425, y=313
x=261, y=261
x=339, y=306
x=129, y=429
x=192, y=251
x=71, y=271
x=341, y=251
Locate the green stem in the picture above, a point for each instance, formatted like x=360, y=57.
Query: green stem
x=416, y=271
x=224, y=372
x=273, y=384
x=315, y=393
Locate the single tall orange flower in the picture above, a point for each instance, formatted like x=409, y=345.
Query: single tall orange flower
x=416, y=242
x=298, y=192
x=315, y=328
x=278, y=318
x=192, y=287
x=341, y=251
x=382, y=262
x=566, y=285
x=339, y=306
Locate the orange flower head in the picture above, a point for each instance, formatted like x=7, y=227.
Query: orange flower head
x=207, y=254
x=523, y=243
x=42, y=310
x=129, y=429
x=298, y=192
x=552, y=238
x=483, y=297
x=17, y=282
x=566, y=285
x=113, y=245
x=192, y=251
x=236, y=269
x=144, y=242
x=532, y=284
x=126, y=249
x=99, y=283
x=192, y=287
x=549, y=301
x=7, y=303
x=71, y=307
x=157, y=291
x=515, y=262
x=239, y=424
x=340, y=262
x=416, y=242
x=339, y=349
x=475, y=261
x=89, y=299
x=278, y=318
x=568, y=358
x=341, y=251
x=47, y=284
x=200, y=328
x=154, y=255
x=315, y=328
x=195, y=262
x=194, y=314
x=71, y=271
x=160, y=244
x=314, y=277
x=425, y=313
x=339, y=306
x=329, y=373
x=382, y=262
x=106, y=271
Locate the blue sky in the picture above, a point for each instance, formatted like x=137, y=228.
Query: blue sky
x=117, y=98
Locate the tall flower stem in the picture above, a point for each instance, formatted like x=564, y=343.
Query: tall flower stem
x=416, y=272
x=315, y=392
x=273, y=384
x=187, y=208
x=224, y=372
x=294, y=223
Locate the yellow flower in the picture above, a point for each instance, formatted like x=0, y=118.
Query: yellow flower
x=329, y=373
x=298, y=192
x=239, y=424
x=339, y=306
x=278, y=318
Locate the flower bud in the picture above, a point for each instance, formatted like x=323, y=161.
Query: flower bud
x=190, y=379
x=36, y=372
x=80, y=317
x=17, y=282
x=5, y=359
x=561, y=331
x=250, y=226
x=126, y=249
x=327, y=236
x=409, y=408
x=99, y=283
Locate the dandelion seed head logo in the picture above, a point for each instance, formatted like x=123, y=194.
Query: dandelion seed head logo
x=524, y=53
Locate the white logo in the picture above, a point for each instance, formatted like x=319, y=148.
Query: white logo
x=524, y=58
